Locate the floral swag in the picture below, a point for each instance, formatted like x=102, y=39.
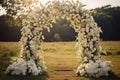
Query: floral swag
x=35, y=17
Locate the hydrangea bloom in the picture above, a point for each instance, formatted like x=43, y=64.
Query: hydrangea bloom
x=21, y=67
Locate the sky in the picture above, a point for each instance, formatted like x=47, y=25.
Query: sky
x=90, y=4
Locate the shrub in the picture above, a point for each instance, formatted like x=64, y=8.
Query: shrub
x=57, y=37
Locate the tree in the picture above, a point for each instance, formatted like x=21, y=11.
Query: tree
x=63, y=28
x=107, y=18
x=104, y=21
x=57, y=37
x=9, y=31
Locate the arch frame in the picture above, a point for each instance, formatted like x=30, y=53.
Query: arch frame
x=36, y=18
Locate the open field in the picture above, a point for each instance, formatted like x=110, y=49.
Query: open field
x=61, y=60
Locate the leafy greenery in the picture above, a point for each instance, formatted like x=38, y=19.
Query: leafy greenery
x=9, y=29
x=107, y=18
x=57, y=37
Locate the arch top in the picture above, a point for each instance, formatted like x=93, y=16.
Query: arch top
x=35, y=17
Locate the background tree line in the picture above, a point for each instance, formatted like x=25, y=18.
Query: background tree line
x=107, y=17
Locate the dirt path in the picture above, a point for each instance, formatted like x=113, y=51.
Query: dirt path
x=61, y=68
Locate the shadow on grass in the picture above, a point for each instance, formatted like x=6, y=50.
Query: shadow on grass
x=44, y=76
x=112, y=76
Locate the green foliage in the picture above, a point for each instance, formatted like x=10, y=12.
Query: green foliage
x=57, y=37
x=9, y=29
x=9, y=21
x=62, y=27
x=107, y=18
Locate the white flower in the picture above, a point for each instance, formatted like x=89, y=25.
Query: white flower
x=82, y=72
x=85, y=59
x=2, y=11
x=80, y=67
x=96, y=58
x=87, y=28
x=18, y=68
x=33, y=68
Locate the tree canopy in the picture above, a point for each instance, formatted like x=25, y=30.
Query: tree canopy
x=107, y=18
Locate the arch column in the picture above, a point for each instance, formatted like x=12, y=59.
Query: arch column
x=89, y=50
x=30, y=63
x=42, y=16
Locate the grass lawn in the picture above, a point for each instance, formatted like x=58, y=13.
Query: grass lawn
x=61, y=60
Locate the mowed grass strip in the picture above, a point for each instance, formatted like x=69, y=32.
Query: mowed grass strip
x=60, y=59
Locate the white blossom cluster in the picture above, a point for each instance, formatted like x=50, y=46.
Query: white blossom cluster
x=29, y=11
x=35, y=17
x=2, y=11
x=89, y=50
x=22, y=67
x=17, y=8
x=94, y=69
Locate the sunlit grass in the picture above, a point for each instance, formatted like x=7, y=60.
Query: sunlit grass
x=111, y=46
x=60, y=58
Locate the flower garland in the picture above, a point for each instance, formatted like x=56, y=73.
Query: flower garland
x=35, y=17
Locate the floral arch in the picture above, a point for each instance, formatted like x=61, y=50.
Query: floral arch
x=35, y=17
